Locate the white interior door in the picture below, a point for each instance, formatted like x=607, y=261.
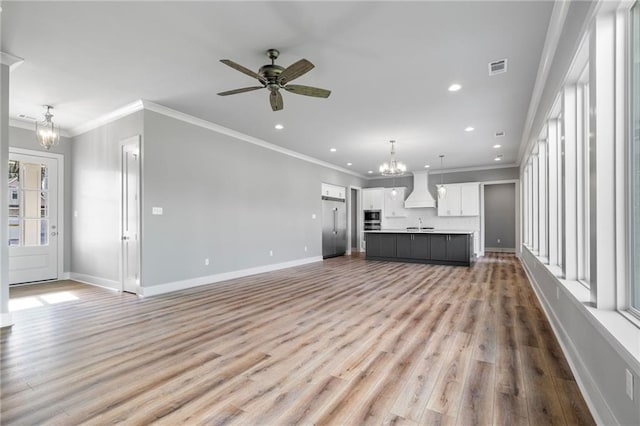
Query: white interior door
x=131, y=214
x=33, y=218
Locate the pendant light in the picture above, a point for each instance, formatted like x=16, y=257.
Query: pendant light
x=393, y=167
x=442, y=191
x=47, y=132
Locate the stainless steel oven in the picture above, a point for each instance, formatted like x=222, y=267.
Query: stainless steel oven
x=372, y=220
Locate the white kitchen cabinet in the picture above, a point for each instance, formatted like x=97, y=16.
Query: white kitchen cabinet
x=333, y=191
x=373, y=199
x=394, y=205
x=461, y=199
x=470, y=199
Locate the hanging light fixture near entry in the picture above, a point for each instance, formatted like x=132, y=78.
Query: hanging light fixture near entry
x=47, y=132
x=442, y=191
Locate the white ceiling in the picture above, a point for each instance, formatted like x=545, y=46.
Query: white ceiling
x=388, y=64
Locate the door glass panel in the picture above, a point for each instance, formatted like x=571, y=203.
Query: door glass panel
x=28, y=204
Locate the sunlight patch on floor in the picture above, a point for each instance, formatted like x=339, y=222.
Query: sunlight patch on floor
x=29, y=302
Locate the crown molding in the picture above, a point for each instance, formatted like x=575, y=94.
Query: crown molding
x=161, y=109
x=474, y=168
x=107, y=118
x=10, y=60
x=31, y=125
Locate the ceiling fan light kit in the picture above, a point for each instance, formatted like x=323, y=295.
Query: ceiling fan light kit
x=274, y=77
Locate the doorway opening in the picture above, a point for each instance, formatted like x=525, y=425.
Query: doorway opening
x=499, y=221
x=130, y=217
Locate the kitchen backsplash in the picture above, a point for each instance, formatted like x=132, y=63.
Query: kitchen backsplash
x=430, y=218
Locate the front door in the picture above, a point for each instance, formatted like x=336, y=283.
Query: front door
x=33, y=218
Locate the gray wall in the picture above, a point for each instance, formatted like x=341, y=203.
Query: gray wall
x=95, y=199
x=500, y=216
x=597, y=364
x=226, y=200
x=26, y=139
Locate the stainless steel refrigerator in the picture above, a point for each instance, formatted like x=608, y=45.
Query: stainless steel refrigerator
x=334, y=227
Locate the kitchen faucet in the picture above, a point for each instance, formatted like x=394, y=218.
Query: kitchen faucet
x=419, y=223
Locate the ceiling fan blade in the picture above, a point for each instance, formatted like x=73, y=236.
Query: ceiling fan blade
x=244, y=89
x=276, y=100
x=295, y=70
x=307, y=90
x=242, y=69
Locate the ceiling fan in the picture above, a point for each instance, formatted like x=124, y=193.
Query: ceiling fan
x=274, y=77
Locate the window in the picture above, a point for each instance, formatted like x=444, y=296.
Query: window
x=635, y=157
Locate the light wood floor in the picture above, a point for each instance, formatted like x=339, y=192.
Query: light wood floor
x=345, y=341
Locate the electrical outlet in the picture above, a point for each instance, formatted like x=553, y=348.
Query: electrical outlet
x=305, y=248
x=206, y=262
x=498, y=240
x=629, y=383
x=313, y=216
x=270, y=252
x=157, y=211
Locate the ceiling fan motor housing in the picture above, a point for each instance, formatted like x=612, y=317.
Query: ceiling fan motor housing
x=271, y=72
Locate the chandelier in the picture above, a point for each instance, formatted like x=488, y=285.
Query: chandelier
x=393, y=167
x=48, y=134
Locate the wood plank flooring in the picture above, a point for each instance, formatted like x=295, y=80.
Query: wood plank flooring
x=345, y=341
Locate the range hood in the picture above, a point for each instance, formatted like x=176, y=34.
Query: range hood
x=420, y=197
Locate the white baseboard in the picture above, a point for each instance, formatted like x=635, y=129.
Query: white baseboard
x=65, y=276
x=96, y=281
x=500, y=249
x=210, y=279
x=6, y=320
x=597, y=404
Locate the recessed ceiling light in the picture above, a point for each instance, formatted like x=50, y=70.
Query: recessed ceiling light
x=455, y=87
x=469, y=129
x=497, y=146
x=279, y=126
x=370, y=171
x=333, y=150
x=426, y=166
x=349, y=164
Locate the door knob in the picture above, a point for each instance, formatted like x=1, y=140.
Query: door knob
x=124, y=238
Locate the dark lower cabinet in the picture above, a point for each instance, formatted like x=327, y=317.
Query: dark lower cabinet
x=449, y=249
x=381, y=245
x=439, y=247
x=412, y=246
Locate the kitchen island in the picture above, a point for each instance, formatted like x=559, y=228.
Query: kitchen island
x=442, y=247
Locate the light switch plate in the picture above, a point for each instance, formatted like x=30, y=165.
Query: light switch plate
x=156, y=211
x=629, y=383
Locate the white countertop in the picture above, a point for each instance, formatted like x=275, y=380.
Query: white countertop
x=423, y=231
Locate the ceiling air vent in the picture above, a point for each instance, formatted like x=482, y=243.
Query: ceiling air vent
x=499, y=134
x=26, y=117
x=497, y=67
